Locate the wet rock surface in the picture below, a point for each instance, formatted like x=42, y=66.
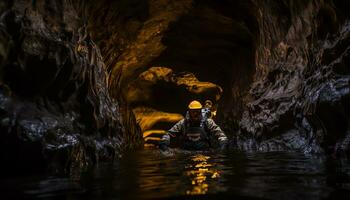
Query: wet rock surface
x=74, y=74
x=56, y=109
x=301, y=87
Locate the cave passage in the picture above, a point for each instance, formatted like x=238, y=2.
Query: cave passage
x=209, y=55
x=89, y=88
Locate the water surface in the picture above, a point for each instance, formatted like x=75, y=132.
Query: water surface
x=148, y=174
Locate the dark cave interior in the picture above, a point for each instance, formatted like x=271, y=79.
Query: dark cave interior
x=82, y=80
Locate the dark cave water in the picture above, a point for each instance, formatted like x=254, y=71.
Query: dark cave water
x=148, y=174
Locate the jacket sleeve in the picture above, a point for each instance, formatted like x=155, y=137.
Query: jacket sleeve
x=216, y=131
x=173, y=132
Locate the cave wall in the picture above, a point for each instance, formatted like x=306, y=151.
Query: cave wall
x=299, y=98
x=56, y=107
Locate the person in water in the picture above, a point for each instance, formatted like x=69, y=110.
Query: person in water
x=207, y=110
x=194, y=131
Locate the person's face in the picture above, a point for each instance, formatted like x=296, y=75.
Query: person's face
x=195, y=114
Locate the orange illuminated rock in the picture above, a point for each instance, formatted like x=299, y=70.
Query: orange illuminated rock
x=147, y=117
x=141, y=89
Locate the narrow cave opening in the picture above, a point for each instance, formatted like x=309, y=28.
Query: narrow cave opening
x=209, y=54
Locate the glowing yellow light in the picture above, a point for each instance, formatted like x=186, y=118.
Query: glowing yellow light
x=200, y=158
x=215, y=175
x=152, y=138
x=204, y=164
x=151, y=132
x=199, y=173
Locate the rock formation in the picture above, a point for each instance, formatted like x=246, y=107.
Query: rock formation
x=299, y=98
x=80, y=80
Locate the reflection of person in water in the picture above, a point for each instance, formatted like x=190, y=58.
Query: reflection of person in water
x=194, y=131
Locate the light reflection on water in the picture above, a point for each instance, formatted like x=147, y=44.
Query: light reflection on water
x=148, y=175
x=198, y=172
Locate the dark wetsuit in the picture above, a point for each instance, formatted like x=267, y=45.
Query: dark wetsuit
x=195, y=137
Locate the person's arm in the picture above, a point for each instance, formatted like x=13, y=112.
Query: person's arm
x=217, y=132
x=173, y=132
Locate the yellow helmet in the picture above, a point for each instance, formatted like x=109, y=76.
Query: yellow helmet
x=195, y=105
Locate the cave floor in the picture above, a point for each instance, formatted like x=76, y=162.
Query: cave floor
x=148, y=174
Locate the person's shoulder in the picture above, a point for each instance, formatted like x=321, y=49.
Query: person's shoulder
x=210, y=121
